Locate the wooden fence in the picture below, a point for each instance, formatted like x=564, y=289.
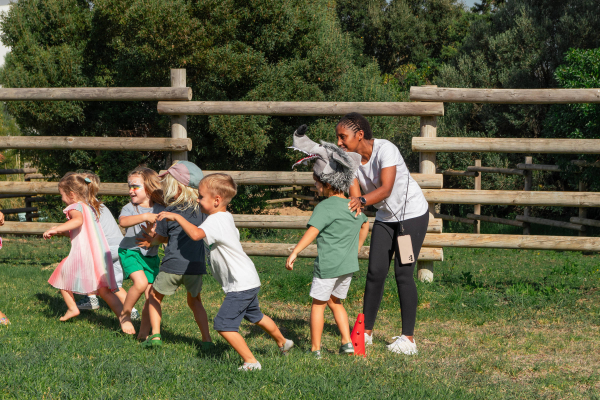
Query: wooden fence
x=175, y=102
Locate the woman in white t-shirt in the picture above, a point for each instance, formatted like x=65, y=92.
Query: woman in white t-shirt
x=386, y=184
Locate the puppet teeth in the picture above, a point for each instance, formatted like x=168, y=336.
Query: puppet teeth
x=305, y=160
x=297, y=149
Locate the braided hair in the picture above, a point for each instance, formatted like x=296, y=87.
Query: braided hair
x=356, y=122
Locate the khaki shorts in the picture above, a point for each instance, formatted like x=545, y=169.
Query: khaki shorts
x=166, y=283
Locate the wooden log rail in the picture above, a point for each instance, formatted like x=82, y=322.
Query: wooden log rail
x=8, y=211
x=506, y=171
x=94, y=143
x=505, y=96
x=531, y=242
x=513, y=197
x=496, y=220
x=97, y=94
x=506, y=145
x=16, y=171
x=299, y=108
x=539, y=167
x=454, y=219
x=550, y=222
x=585, y=221
x=451, y=172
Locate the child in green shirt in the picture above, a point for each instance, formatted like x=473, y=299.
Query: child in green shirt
x=339, y=234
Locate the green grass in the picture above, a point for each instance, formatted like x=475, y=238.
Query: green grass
x=494, y=324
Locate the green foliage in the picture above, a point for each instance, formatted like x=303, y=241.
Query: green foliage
x=519, y=45
x=577, y=121
x=232, y=50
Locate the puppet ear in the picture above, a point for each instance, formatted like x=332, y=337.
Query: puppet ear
x=340, y=159
x=355, y=157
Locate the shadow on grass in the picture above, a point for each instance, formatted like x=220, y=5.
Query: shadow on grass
x=56, y=308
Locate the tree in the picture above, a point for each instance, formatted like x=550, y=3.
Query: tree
x=232, y=50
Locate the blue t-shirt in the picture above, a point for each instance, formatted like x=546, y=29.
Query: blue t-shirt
x=183, y=256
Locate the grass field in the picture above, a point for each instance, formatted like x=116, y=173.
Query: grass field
x=494, y=324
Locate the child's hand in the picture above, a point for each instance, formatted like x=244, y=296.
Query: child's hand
x=50, y=232
x=150, y=217
x=289, y=264
x=146, y=242
x=149, y=230
x=167, y=215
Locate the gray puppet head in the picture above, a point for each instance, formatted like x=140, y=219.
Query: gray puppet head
x=332, y=164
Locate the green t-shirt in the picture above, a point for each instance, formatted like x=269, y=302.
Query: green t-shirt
x=337, y=242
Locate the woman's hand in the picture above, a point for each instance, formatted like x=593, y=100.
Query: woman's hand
x=355, y=205
x=289, y=264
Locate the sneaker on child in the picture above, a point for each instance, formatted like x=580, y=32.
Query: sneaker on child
x=347, y=348
x=368, y=339
x=250, y=367
x=135, y=315
x=88, y=303
x=403, y=345
x=287, y=346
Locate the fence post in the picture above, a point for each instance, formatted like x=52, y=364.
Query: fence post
x=477, y=207
x=178, y=122
x=528, y=183
x=427, y=165
x=582, y=210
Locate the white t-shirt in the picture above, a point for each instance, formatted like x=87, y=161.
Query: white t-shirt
x=386, y=154
x=229, y=265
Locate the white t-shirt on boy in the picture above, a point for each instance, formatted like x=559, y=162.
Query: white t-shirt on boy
x=386, y=154
x=229, y=265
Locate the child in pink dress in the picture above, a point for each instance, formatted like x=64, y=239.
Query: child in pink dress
x=88, y=267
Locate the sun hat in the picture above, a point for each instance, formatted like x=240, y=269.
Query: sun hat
x=186, y=173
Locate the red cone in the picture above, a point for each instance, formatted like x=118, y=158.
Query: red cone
x=358, y=336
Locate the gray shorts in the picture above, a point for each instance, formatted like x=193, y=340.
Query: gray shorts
x=166, y=283
x=322, y=289
x=235, y=307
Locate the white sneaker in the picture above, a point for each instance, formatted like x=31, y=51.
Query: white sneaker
x=135, y=315
x=250, y=367
x=368, y=339
x=88, y=303
x=287, y=346
x=403, y=345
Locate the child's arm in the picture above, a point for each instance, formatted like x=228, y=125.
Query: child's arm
x=190, y=229
x=364, y=231
x=75, y=222
x=132, y=220
x=309, y=236
x=150, y=241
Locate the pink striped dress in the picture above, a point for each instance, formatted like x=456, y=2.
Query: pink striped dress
x=88, y=267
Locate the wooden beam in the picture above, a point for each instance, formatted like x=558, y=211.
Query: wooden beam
x=539, y=167
x=454, y=219
x=512, y=197
x=299, y=108
x=496, y=220
x=506, y=171
x=18, y=210
x=505, y=96
x=15, y=171
x=585, y=221
x=96, y=94
x=33, y=188
x=451, y=172
x=532, y=242
x=284, y=250
x=94, y=143
x=550, y=222
x=507, y=145
x=583, y=163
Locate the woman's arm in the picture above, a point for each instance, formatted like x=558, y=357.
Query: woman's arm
x=75, y=222
x=190, y=229
x=309, y=236
x=362, y=236
x=388, y=177
x=132, y=220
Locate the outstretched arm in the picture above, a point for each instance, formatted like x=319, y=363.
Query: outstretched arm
x=309, y=236
x=190, y=229
x=75, y=222
x=132, y=220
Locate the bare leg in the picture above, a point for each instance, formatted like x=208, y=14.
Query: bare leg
x=341, y=318
x=140, y=284
x=317, y=321
x=269, y=326
x=121, y=294
x=155, y=311
x=195, y=304
x=145, y=325
x=115, y=305
x=239, y=344
x=72, y=310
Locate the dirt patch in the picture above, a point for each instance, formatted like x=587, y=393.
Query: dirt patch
x=295, y=211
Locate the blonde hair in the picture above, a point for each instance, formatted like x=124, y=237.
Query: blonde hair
x=177, y=194
x=94, y=185
x=220, y=185
x=74, y=183
x=152, y=184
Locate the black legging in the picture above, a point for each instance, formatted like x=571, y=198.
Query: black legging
x=383, y=246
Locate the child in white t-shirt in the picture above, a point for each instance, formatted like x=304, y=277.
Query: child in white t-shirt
x=230, y=266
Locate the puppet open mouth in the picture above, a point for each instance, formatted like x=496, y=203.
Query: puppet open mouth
x=305, y=160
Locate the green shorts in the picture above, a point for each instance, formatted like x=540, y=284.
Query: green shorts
x=166, y=283
x=133, y=261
